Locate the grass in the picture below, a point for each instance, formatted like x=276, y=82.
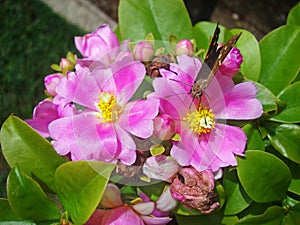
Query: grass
x=32, y=38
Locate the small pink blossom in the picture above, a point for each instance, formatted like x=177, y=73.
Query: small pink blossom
x=164, y=127
x=232, y=63
x=103, y=128
x=184, y=47
x=143, y=51
x=205, y=142
x=51, y=81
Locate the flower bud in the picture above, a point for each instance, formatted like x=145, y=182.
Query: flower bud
x=184, y=47
x=66, y=65
x=143, y=51
x=232, y=63
x=195, y=189
x=51, y=81
x=164, y=127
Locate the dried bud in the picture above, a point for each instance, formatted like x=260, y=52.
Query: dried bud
x=143, y=51
x=232, y=63
x=51, y=81
x=195, y=189
x=164, y=127
x=184, y=47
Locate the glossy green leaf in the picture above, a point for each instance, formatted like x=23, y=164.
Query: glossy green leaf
x=290, y=96
x=271, y=104
x=27, y=198
x=211, y=219
x=254, y=138
x=203, y=32
x=22, y=145
x=295, y=184
x=80, y=187
x=7, y=214
x=249, y=48
x=272, y=216
x=158, y=17
x=293, y=215
x=237, y=199
x=294, y=16
x=264, y=177
x=285, y=139
x=280, y=58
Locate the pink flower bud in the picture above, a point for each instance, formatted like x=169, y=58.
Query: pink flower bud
x=232, y=63
x=184, y=47
x=164, y=127
x=98, y=43
x=195, y=189
x=66, y=65
x=143, y=51
x=51, y=81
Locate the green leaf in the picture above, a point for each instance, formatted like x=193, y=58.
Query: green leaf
x=295, y=184
x=203, y=32
x=272, y=216
x=254, y=138
x=293, y=215
x=22, y=145
x=294, y=16
x=80, y=187
x=162, y=18
x=271, y=104
x=27, y=198
x=249, y=48
x=285, y=139
x=211, y=219
x=7, y=214
x=264, y=177
x=237, y=199
x=280, y=58
x=290, y=96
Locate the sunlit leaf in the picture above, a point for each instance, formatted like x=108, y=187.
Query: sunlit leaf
x=254, y=138
x=264, y=177
x=158, y=17
x=294, y=16
x=280, y=58
x=22, y=145
x=27, y=198
x=80, y=187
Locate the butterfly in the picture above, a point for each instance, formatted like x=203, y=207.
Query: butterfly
x=212, y=62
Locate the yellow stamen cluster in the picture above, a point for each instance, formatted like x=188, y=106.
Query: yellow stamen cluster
x=108, y=108
x=200, y=121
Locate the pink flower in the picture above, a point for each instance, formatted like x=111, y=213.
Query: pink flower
x=143, y=51
x=195, y=189
x=164, y=127
x=101, y=47
x=206, y=141
x=51, y=81
x=102, y=130
x=184, y=47
x=142, y=213
x=232, y=63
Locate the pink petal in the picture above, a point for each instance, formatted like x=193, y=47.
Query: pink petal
x=144, y=208
x=156, y=220
x=241, y=103
x=128, y=75
x=122, y=216
x=165, y=202
x=127, y=152
x=137, y=117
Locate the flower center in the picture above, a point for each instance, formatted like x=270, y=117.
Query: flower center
x=201, y=121
x=109, y=110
